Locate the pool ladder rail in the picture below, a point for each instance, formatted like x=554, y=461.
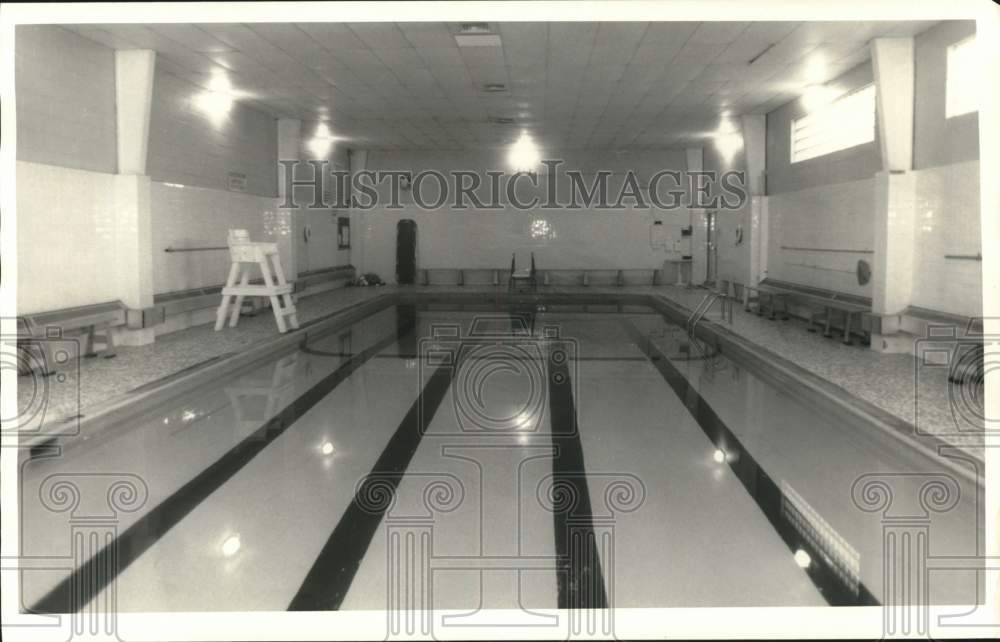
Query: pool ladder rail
x=725, y=309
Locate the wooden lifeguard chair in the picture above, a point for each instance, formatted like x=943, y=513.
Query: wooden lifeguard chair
x=244, y=253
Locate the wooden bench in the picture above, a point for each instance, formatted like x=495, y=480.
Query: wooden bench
x=618, y=277
x=462, y=274
x=43, y=331
x=579, y=276
x=771, y=292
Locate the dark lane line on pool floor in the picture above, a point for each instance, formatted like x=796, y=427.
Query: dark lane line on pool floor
x=838, y=585
x=87, y=581
x=580, y=579
x=328, y=581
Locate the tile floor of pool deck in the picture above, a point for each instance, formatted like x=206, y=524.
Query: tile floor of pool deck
x=889, y=381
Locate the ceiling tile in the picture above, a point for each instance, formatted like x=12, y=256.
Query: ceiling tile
x=718, y=32
x=380, y=35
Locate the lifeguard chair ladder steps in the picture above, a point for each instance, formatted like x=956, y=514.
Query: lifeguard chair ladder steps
x=244, y=254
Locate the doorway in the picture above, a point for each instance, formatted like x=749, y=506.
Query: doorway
x=406, y=251
x=711, y=248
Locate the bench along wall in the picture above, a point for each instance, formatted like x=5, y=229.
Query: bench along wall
x=486, y=238
x=828, y=202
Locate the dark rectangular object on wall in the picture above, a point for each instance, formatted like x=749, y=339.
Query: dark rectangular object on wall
x=406, y=252
x=343, y=233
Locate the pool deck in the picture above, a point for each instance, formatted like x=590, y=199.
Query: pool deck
x=889, y=381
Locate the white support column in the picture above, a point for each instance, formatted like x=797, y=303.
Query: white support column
x=281, y=229
x=755, y=150
x=892, y=274
x=358, y=161
x=892, y=63
x=697, y=249
x=134, y=71
x=894, y=207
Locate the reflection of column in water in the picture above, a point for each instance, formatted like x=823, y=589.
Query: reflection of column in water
x=406, y=318
x=256, y=402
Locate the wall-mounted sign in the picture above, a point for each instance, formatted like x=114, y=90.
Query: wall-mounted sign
x=236, y=182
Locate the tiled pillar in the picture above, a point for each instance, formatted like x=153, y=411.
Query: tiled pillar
x=892, y=275
x=754, y=145
x=697, y=248
x=280, y=225
x=892, y=64
x=894, y=207
x=133, y=218
x=358, y=160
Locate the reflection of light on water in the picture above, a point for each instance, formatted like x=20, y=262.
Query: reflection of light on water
x=802, y=558
x=231, y=546
x=541, y=229
x=327, y=448
x=189, y=415
x=719, y=456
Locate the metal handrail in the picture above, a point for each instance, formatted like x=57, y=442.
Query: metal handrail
x=196, y=249
x=725, y=309
x=699, y=312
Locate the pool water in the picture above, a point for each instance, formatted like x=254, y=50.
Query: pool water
x=477, y=457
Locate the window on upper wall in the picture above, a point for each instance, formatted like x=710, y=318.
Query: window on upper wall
x=842, y=123
x=961, y=81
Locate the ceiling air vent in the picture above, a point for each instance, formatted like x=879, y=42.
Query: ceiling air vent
x=474, y=28
x=494, y=87
x=478, y=40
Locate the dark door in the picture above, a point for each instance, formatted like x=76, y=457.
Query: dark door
x=406, y=251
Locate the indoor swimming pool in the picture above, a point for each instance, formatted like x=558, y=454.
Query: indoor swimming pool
x=468, y=455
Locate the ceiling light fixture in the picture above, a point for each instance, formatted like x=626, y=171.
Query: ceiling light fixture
x=217, y=100
x=524, y=156
x=728, y=139
x=321, y=144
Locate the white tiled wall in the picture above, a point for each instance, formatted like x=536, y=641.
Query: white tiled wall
x=462, y=239
x=197, y=217
x=948, y=222
x=65, y=86
x=836, y=216
x=186, y=147
x=560, y=239
x=65, y=237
